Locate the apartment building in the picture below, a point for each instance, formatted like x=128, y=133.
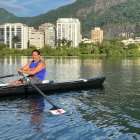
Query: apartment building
x=9, y=30
x=69, y=29
x=97, y=35
x=36, y=38
x=49, y=33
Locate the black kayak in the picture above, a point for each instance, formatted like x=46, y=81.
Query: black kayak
x=52, y=87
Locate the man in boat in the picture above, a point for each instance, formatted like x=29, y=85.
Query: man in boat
x=36, y=70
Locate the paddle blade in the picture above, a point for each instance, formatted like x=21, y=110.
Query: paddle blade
x=57, y=111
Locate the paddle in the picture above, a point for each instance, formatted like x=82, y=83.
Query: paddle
x=55, y=110
x=10, y=75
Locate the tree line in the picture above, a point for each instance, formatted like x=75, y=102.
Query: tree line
x=111, y=48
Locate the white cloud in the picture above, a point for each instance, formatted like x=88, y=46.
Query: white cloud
x=11, y=4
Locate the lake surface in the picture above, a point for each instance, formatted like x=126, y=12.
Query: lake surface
x=102, y=114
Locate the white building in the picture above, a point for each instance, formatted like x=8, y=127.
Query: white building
x=36, y=38
x=87, y=41
x=9, y=30
x=131, y=41
x=128, y=41
x=137, y=39
x=70, y=29
x=50, y=33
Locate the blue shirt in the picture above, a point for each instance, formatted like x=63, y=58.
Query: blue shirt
x=40, y=74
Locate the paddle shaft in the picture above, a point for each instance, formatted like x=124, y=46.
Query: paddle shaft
x=40, y=91
x=10, y=75
x=42, y=94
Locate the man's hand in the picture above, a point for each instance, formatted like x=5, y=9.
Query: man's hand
x=19, y=71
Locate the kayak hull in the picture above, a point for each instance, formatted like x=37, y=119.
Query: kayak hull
x=49, y=88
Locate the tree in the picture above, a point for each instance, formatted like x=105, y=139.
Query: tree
x=64, y=41
x=2, y=46
x=15, y=39
x=59, y=43
x=69, y=43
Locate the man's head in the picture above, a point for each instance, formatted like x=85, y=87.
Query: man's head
x=36, y=55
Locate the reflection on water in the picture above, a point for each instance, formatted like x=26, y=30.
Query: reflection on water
x=10, y=64
x=90, y=67
x=36, y=107
x=23, y=117
x=58, y=69
x=63, y=69
x=101, y=114
x=14, y=60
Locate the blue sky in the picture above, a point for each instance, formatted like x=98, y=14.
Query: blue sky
x=32, y=7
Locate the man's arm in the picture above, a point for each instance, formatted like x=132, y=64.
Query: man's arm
x=26, y=67
x=40, y=66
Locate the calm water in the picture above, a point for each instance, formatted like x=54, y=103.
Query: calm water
x=101, y=114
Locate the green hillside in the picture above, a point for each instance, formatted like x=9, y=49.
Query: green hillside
x=6, y=16
x=114, y=17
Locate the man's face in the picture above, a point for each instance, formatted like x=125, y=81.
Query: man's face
x=35, y=56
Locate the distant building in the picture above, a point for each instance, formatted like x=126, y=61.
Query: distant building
x=9, y=30
x=126, y=34
x=36, y=38
x=131, y=41
x=128, y=41
x=88, y=41
x=49, y=33
x=97, y=35
x=137, y=40
x=69, y=29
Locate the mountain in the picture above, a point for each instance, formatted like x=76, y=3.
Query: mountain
x=6, y=16
x=115, y=17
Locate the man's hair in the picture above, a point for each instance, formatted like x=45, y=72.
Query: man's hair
x=36, y=51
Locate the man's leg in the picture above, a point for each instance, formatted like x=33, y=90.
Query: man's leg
x=35, y=80
x=16, y=83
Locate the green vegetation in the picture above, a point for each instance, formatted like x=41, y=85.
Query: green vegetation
x=110, y=48
x=15, y=39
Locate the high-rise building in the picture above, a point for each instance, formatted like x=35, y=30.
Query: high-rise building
x=97, y=35
x=36, y=38
x=50, y=33
x=10, y=30
x=69, y=29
